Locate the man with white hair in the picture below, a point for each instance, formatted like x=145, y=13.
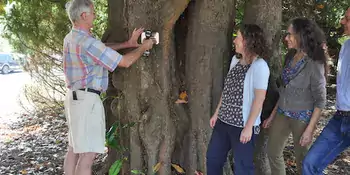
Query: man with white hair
x=86, y=64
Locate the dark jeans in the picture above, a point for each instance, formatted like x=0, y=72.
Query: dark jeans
x=334, y=139
x=224, y=138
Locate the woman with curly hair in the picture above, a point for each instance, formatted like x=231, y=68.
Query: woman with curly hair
x=302, y=89
x=237, y=116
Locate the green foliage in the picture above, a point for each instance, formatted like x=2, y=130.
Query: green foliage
x=41, y=25
x=342, y=40
x=37, y=28
x=113, y=135
x=113, y=140
x=116, y=167
x=101, y=18
x=329, y=12
x=3, y=4
x=240, y=4
x=137, y=172
x=36, y=31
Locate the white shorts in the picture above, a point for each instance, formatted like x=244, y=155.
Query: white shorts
x=86, y=122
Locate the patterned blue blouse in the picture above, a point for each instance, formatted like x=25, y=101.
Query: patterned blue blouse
x=287, y=74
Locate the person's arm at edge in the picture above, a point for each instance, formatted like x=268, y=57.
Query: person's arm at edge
x=131, y=43
x=131, y=57
x=119, y=46
x=110, y=59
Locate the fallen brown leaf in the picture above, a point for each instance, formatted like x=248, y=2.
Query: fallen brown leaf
x=178, y=168
x=183, y=95
x=157, y=167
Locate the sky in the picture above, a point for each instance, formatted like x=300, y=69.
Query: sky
x=4, y=44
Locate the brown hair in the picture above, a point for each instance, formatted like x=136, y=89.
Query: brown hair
x=255, y=42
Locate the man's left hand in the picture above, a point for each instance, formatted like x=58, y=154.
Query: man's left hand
x=134, y=37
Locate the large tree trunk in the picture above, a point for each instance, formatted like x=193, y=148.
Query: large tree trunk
x=191, y=59
x=268, y=15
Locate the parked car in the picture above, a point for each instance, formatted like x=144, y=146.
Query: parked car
x=8, y=63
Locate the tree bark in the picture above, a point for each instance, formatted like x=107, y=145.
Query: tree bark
x=208, y=43
x=268, y=15
x=190, y=61
x=116, y=32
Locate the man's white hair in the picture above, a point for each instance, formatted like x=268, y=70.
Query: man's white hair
x=76, y=7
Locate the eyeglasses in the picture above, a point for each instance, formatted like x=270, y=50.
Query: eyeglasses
x=87, y=13
x=288, y=34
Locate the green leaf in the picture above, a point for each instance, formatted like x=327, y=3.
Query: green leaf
x=109, y=140
x=114, y=144
x=115, y=168
x=137, y=172
x=2, y=8
x=342, y=40
x=112, y=137
x=111, y=130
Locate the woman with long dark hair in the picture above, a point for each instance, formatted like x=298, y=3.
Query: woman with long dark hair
x=302, y=89
x=237, y=117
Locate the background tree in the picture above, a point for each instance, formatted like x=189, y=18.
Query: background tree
x=268, y=15
x=36, y=29
x=191, y=61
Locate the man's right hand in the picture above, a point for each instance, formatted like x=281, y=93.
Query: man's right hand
x=213, y=120
x=148, y=44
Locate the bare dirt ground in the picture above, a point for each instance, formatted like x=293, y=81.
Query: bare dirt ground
x=30, y=142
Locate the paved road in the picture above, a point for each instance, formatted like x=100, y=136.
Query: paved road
x=11, y=97
x=34, y=145
x=11, y=94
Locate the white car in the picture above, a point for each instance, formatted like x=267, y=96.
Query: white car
x=8, y=64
